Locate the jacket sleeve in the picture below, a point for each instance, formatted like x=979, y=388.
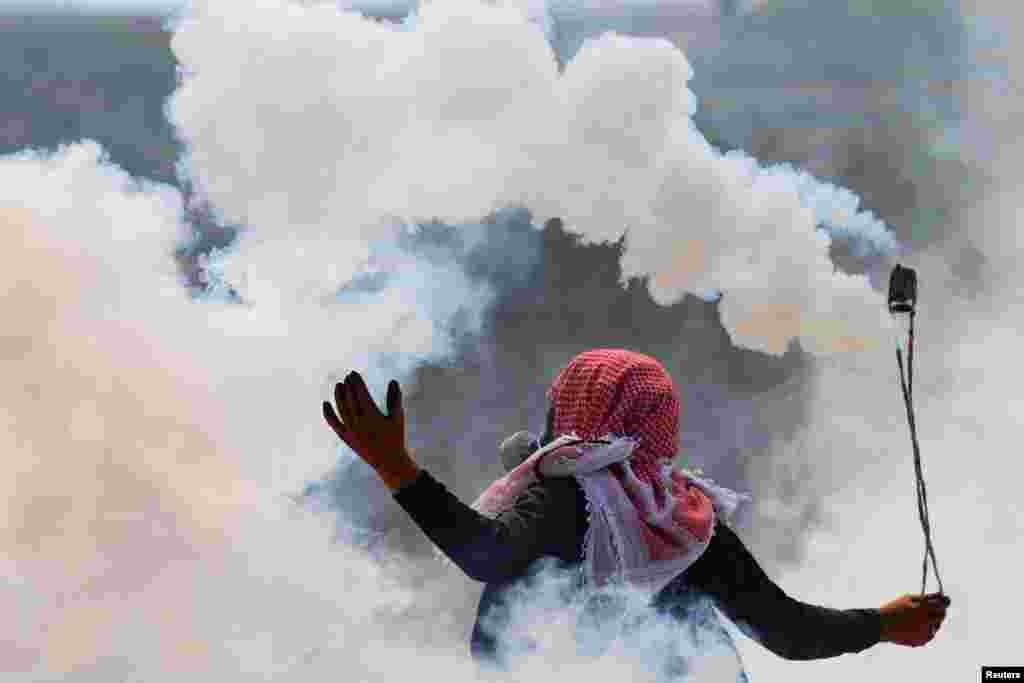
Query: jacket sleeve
x=791, y=629
x=542, y=521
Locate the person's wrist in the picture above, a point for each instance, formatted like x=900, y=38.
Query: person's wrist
x=404, y=472
x=885, y=620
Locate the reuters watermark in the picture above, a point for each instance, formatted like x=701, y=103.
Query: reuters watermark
x=1002, y=673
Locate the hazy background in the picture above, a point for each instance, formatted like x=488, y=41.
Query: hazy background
x=180, y=295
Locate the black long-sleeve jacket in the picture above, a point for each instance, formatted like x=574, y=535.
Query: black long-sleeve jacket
x=550, y=519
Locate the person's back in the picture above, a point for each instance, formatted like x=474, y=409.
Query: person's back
x=600, y=494
x=726, y=575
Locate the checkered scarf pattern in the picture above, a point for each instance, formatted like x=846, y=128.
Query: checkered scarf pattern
x=615, y=417
x=624, y=393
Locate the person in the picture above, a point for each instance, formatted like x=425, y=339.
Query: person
x=598, y=492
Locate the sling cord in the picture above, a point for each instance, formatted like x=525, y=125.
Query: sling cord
x=922, y=491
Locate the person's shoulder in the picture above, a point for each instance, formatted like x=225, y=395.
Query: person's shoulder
x=554, y=491
x=725, y=537
x=724, y=548
x=559, y=486
x=723, y=528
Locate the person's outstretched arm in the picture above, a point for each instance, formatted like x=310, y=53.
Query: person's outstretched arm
x=796, y=630
x=730, y=575
x=487, y=550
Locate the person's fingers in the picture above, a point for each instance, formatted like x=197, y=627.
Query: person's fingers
x=361, y=400
x=937, y=603
x=369, y=404
x=395, y=410
x=352, y=398
x=932, y=630
x=341, y=400
x=332, y=419
x=336, y=424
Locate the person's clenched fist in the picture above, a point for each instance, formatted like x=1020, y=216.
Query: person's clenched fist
x=913, y=620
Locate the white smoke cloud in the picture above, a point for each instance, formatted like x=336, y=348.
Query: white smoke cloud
x=154, y=499
x=118, y=476
x=152, y=439
x=856, y=442
x=869, y=545
x=468, y=114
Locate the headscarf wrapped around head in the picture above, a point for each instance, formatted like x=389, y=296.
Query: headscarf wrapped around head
x=624, y=393
x=614, y=391
x=648, y=521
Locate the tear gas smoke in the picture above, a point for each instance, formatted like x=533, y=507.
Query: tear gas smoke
x=468, y=114
x=150, y=531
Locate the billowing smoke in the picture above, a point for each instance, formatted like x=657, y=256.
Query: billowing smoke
x=162, y=438
x=154, y=439
x=468, y=114
x=118, y=479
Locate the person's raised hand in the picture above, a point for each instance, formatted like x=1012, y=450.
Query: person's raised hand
x=377, y=438
x=913, y=620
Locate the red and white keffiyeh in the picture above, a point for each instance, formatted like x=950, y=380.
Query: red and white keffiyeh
x=616, y=419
